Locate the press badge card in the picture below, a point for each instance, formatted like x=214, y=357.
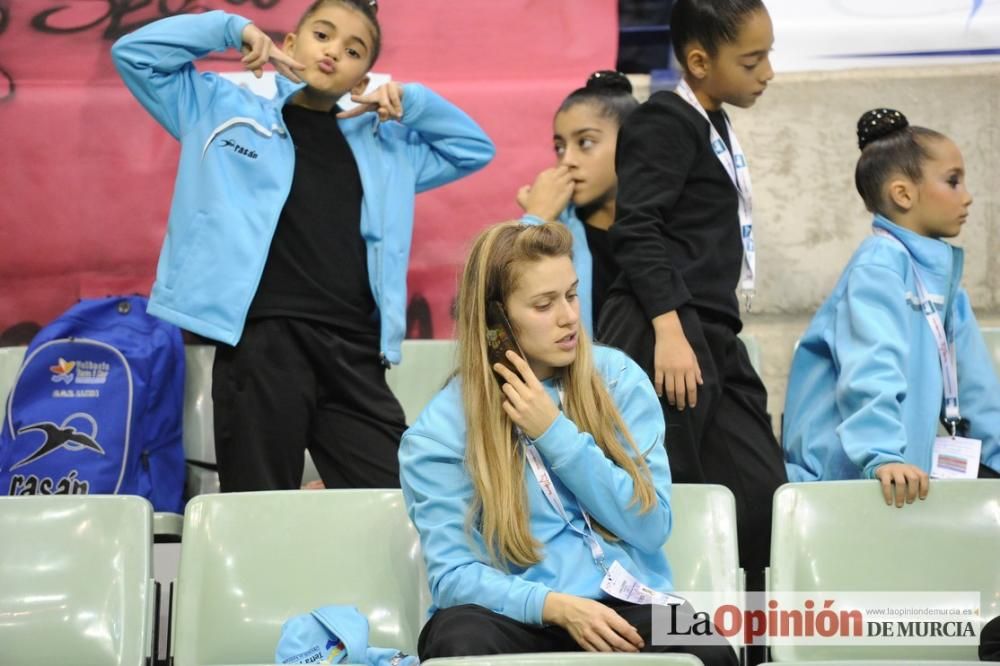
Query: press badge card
x=955, y=458
x=620, y=584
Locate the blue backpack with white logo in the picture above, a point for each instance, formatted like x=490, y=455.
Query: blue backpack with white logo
x=97, y=407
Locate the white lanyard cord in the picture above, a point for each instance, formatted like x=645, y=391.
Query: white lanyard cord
x=549, y=490
x=945, y=348
x=617, y=581
x=735, y=164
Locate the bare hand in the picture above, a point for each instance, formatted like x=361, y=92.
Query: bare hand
x=527, y=403
x=676, y=372
x=908, y=481
x=594, y=626
x=549, y=195
x=258, y=49
x=386, y=100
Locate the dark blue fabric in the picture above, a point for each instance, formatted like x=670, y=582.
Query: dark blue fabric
x=97, y=407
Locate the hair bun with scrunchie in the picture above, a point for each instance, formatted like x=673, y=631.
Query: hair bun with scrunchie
x=878, y=124
x=610, y=80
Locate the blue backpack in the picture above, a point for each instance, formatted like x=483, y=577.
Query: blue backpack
x=97, y=407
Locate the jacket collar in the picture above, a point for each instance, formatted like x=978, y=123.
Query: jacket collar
x=931, y=254
x=286, y=88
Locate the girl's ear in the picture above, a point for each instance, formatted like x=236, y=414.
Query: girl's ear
x=360, y=87
x=697, y=61
x=902, y=193
x=288, y=44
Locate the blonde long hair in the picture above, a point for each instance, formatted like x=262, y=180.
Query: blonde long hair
x=494, y=458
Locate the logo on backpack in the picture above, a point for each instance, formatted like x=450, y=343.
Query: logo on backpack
x=57, y=437
x=62, y=371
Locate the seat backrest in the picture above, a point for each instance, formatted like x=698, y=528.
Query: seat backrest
x=753, y=350
x=992, y=338
x=250, y=561
x=839, y=536
x=199, y=429
x=10, y=363
x=75, y=579
x=199, y=424
x=426, y=367
x=702, y=548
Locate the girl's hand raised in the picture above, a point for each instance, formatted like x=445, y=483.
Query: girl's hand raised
x=258, y=49
x=528, y=403
x=386, y=100
x=549, y=195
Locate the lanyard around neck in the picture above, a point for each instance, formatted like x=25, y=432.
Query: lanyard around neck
x=945, y=347
x=549, y=490
x=735, y=163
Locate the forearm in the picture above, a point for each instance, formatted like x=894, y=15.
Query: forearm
x=480, y=584
x=155, y=62
x=640, y=250
x=447, y=144
x=602, y=488
x=168, y=44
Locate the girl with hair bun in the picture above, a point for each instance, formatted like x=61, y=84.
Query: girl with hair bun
x=580, y=190
x=896, y=347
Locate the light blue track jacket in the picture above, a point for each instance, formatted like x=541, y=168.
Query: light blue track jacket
x=583, y=262
x=865, y=387
x=236, y=167
x=438, y=492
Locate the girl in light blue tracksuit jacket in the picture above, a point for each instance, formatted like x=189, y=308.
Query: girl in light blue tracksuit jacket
x=866, y=389
x=580, y=190
x=525, y=495
x=289, y=232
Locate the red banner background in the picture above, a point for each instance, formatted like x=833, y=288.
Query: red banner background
x=86, y=176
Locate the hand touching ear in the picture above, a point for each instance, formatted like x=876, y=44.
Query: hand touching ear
x=527, y=402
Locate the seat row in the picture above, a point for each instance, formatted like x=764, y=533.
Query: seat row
x=76, y=580
x=76, y=576
x=428, y=366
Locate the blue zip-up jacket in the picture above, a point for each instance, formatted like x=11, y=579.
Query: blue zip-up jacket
x=227, y=199
x=865, y=388
x=583, y=262
x=438, y=492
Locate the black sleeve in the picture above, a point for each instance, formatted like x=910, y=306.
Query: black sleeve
x=656, y=150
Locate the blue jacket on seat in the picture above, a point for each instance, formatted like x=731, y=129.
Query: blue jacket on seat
x=333, y=635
